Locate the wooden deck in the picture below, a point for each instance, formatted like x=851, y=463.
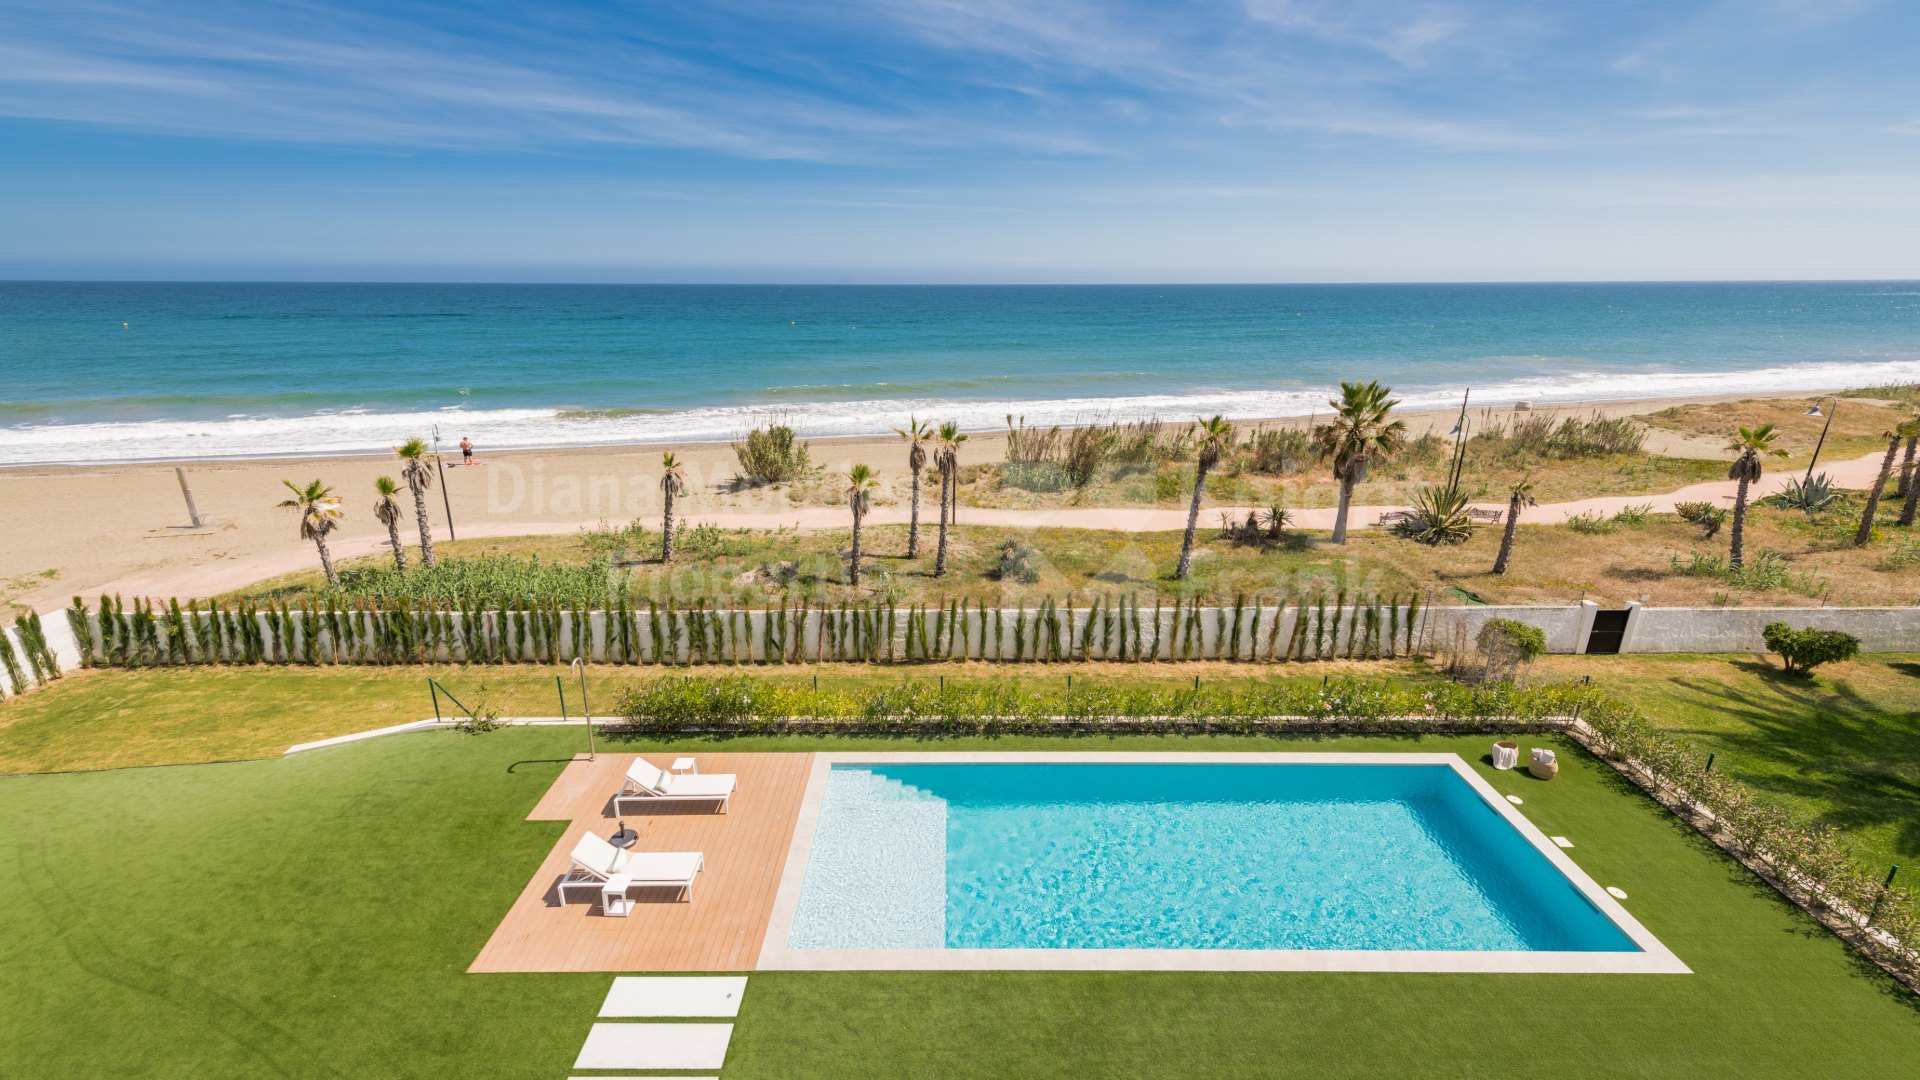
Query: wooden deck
x=721, y=929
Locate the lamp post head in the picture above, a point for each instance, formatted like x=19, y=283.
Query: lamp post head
x=1815, y=411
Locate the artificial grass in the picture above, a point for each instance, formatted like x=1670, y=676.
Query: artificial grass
x=313, y=916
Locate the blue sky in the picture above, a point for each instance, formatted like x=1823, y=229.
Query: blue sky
x=960, y=140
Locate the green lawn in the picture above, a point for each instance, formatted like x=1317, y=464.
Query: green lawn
x=1843, y=746
x=314, y=916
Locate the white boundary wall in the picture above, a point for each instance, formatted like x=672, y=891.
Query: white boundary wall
x=1649, y=630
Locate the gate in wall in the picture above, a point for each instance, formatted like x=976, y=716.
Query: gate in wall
x=1609, y=627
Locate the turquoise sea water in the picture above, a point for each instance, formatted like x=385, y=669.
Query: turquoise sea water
x=103, y=371
x=1179, y=856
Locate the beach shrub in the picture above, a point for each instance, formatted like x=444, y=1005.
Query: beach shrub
x=1043, y=476
x=1592, y=523
x=771, y=455
x=1534, y=437
x=1634, y=515
x=1278, y=452
x=1801, y=651
x=1018, y=562
x=1087, y=449
x=1704, y=514
x=483, y=579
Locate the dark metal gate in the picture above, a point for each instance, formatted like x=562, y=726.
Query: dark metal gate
x=1609, y=627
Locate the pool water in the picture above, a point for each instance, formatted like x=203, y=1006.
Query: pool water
x=1179, y=856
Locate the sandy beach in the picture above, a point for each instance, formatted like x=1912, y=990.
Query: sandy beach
x=83, y=529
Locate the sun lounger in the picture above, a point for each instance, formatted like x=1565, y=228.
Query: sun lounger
x=646, y=783
x=595, y=862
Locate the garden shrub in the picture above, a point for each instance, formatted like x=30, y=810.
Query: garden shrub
x=1018, y=562
x=771, y=455
x=1506, y=645
x=1803, y=650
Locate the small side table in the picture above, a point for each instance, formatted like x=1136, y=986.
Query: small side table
x=613, y=897
x=686, y=766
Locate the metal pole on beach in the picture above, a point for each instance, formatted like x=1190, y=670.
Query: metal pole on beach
x=194, y=520
x=444, y=499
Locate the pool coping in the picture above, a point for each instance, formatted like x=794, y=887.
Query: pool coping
x=1653, y=957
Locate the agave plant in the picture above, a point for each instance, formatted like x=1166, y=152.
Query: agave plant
x=1439, y=516
x=1811, y=496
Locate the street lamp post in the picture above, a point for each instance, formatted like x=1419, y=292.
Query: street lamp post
x=1815, y=411
x=445, y=499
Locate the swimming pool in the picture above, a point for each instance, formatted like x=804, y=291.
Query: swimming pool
x=1402, y=861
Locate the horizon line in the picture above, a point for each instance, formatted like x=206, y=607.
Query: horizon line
x=777, y=283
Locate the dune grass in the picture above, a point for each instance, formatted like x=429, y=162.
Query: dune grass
x=314, y=916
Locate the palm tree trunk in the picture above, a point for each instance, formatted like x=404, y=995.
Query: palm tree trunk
x=426, y=530
x=1873, y=497
x=1737, y=552
x=853, y=575
x=326, y=560
x=1506, y=539
x=1913, y=502
x=913, y=520
x=946, y=493
x=1906, y=468
x=399, y=549
x=1193, y=519
x=1340, y=519
x=666, y=529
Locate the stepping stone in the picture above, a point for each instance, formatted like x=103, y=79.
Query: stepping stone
x=1516, y=800
x=1617, y=894
x=669, y=997
x=1559, y=841
x=655, y=1046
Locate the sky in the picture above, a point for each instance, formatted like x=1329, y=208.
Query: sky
x=960, y=140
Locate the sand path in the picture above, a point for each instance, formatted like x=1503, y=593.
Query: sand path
x=206, y=578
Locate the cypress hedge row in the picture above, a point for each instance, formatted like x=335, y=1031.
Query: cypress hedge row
x=146, y=633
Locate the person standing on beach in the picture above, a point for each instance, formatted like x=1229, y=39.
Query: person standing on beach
x=466, y=450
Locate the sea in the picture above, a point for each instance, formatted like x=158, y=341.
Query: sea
x=109, y=372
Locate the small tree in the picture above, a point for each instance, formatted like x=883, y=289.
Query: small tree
x=1750, y=445
x=1519, y=496
x=861, y=481
x=917, y=435
x=320, y=514
x=673, y=483
x=1507, y=645
x=1803, y=650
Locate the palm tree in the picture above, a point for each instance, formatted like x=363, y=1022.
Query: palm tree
x=918, y=435
x=1865, y=532
x=320, y=514
x=1359, y=431
x=1912, y=502
x=1751, y=444
x=860, y=484
x=1215, y=436
x=388, y=513
x=1518, y=496
x=1912, y=431
x=673, y=481
x=419, y=477
x=948, y=460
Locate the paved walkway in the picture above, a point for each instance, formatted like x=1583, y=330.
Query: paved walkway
x=215, y=578
x=630, y=1044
